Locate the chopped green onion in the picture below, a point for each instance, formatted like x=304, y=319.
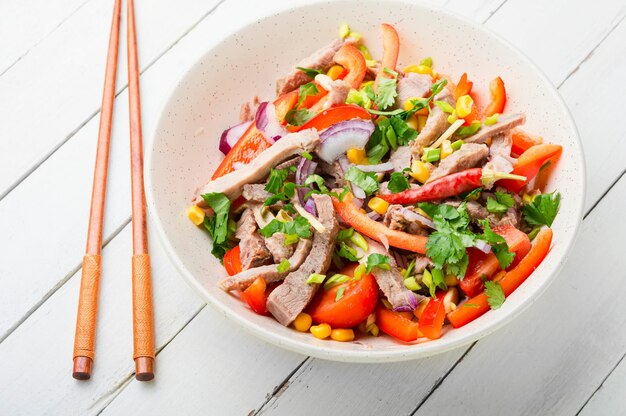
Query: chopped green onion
x=452, y=118
x=469, y=130
x=345, y=234
x=491, y=120
x=283, y=266
x=409, y=269
x=359, y=272
x=438, y=278
x=339, y=294
x=291, y=239
x=470, y=305
x=366, y=52
x=431, y=155
x=457, y=144
x=372, y=329
x=307, y=155
x=427, y=279
x=445, y=107
x=427, y=62
x=335, y=280
x=411, y=284
x=359, y=241
x=344, y=31
x=533, y=233
x=315, y=278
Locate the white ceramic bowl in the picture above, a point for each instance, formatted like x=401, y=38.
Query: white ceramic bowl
x=184, y=149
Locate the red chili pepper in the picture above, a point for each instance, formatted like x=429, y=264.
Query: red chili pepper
x=450, y=185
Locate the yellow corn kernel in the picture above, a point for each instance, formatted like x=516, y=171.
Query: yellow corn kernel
x=464, y=106
x=419, y=171
x=451, y=280
x=344, y=31
x=446, y=149
x=420, y=308
x=527, y=198
x=362, y=211
x=412, y=122
x=419, y=69
x=355, y=155
x=379, y=205
x=421, y=122
x=321, y=331
x=342, y=335
x=303, y=322
x=334, y=72
x=195, y=214
x=408, y=104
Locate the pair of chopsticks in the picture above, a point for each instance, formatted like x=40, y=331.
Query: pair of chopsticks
x=143, y=328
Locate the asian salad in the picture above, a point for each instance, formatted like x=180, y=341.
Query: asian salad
x=368, y=199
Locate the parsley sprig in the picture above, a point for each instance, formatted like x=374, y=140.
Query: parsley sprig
x=543, y=209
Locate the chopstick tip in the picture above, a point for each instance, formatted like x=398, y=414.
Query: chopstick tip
x=82, y=368
x=144, y=368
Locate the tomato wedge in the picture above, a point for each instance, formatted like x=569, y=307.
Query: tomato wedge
x=256, y=297
x=394, y=324
x=335, y=115
x=353, y=61
x=529, y=163
x=482, y=264
x=232, y=261
x=431, y=319
x=357, y=303
x=477, y=305
x=498, y=97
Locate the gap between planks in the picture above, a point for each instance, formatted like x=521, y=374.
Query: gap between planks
x=35, y=166
x=600, y=385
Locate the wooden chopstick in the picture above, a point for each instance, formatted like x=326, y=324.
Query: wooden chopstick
x=84, y=340
x=143, y=326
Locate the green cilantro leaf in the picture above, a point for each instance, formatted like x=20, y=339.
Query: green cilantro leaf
x=501, y=203
x=310, y=72
x=398, y=183
x=299, y=117
x=543, y=209
x=377, y=260
x=288, y=191
x=364, y=180
x=306, y=90
x=300, y=226
x=345, y=234
x=498, y=245
x=217, y=223
x=404, y=133
x=318, y=180
x=495, y=295
x=387, y=93
x=276, y=180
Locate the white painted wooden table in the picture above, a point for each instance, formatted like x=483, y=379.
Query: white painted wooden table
x=564, y=355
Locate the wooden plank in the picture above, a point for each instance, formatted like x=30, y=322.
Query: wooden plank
x=24, y=24
x=556, y=44
x=36, y=360
x=609, y=399
x=226, y=371
x=552, y=358
x=587, y=93
x=57, y=86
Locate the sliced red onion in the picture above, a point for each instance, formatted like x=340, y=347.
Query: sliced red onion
x=411, y=303
x=358, y=192
x=231, y=136
x=412, y=215
x=482, y=246
x=374, y=215
x=304, y=170
x=358, y=202
x=267, y=122
x=340, y=137
x=383, y=167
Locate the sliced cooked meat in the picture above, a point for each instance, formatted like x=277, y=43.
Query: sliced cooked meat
x=337, y=92
x=294, y=294
x=289, y=163
x=421, y=263
x=504, y=124
x=269, y=273
x=276, y=245
x=468, y=156
x=413, y=85
x=391, y=282
x=254, y=253
x=232, y=183
x=401, y=158
x=436, y=123
x=248, y=110
x=255, y=192
x=335, y=171
x=477, y=212
x=321, y=59
x=500, y=158
x=402, y=218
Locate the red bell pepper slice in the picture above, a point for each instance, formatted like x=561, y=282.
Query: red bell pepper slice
x=463, y=87
x=376, y=230
x=310, y=100
x=232, y=261
x=523, y=141
x=353, y=61
x=256, y=297
x=394, y=324
x=478, y=305
x=391, y=50
x=431, y=320
x=529, y=163
x=334, y=115
x=498, y=97
x=284, y=103
x=482, y=264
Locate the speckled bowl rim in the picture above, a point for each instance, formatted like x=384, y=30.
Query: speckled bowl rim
x=412, y=351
